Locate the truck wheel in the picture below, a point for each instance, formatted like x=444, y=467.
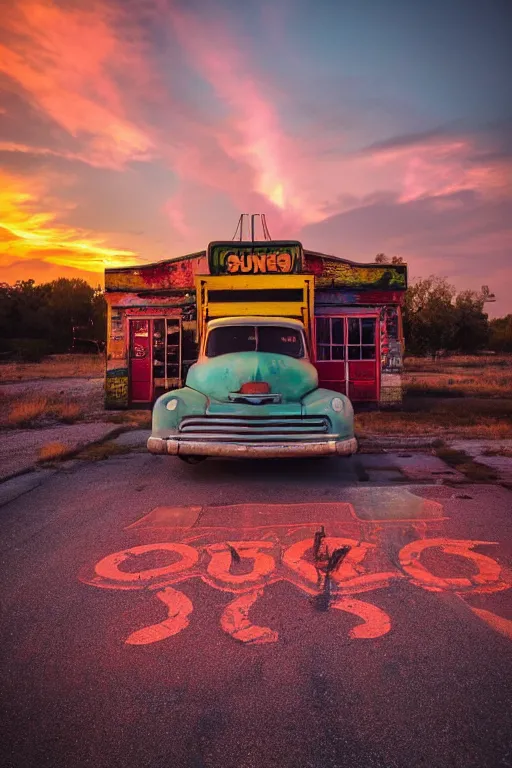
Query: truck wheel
x=192, y=459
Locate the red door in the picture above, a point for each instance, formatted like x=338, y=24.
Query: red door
x=141, y=371
x=347, y=355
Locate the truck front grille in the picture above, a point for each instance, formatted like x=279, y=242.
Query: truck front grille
x=254, y=429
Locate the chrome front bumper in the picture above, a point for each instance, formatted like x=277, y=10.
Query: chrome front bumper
x=248, y=449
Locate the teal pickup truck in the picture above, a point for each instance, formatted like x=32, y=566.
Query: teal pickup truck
x=252, y=393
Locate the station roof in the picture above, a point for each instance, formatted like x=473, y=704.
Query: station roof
x=331, y=272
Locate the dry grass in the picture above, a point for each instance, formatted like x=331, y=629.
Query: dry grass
x=53, y=452
x=469, y=376
x=440, y=365
x=102, y=451
x=134, y=419
x=463, y=396
x=55, y=367
x=430, y=417
x=35, y=412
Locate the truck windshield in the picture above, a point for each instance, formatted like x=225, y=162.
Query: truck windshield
x=278, y=339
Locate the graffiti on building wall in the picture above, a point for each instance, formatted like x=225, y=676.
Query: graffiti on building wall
x=116, y=325
x=337, y=298
x=173, y=273
x=390, y=345
x=116, y=387
x=334, y=273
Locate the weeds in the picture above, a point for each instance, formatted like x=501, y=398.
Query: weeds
x=135, y=419
x=32, y=413
x=102, y=451
x=53, y=452
x=432, y=417
x=470, y=376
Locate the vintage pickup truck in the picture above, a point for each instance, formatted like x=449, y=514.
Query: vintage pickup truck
x=252, y=393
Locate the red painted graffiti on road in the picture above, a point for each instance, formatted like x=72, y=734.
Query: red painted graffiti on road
x=331, y=569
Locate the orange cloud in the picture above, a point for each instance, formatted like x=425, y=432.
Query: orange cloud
x=62, y=59
x=29, y=230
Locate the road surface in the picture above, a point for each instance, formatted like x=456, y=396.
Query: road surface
x=255, y=615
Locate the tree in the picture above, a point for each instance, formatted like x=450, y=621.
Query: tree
x=429, y=316
x=69, y=304
x=471, y=326
x=381, y=258
x=437, y=318
x=500, y=336
x=41, y=318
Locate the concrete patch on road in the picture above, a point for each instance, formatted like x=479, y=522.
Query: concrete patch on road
x=168, y=517
x=495, y=454
x=369, y=504
x=424, y=467
x=393, y=504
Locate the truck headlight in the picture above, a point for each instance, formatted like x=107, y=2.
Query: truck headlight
x=337, y=404
x=171, y=405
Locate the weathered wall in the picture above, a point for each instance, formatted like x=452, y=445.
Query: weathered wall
x=176, y=274
x=168, y=288
x=116, y=378
x=333, y=273
x=121, y=307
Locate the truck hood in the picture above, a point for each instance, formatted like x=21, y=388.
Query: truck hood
x=216, y=377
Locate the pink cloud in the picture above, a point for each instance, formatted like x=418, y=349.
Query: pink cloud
x=175, y=210
x=443, y=167
x=251, y=135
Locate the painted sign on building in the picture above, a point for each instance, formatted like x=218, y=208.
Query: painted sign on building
x=278, y=257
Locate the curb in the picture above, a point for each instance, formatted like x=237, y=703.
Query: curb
x=111, y=434
x=397, y=443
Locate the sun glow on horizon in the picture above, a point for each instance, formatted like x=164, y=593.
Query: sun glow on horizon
x=27, y=231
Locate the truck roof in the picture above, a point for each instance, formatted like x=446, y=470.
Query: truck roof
x=255, y=320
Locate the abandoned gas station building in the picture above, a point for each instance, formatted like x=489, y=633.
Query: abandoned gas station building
x=357, y=339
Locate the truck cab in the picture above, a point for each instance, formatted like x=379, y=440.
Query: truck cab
x=253, y=393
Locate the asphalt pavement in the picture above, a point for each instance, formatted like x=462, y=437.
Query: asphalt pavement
x=244, y=614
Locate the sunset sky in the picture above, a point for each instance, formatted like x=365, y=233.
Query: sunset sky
x=138, y=130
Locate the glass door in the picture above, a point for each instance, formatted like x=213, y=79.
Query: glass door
x=347, y=355
x=155, y=357
x=330, y=353
x=362, y=372
x=173, y=353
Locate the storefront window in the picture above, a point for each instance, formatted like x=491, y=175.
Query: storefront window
x=329, y=338
x=158, y=349
x=361, y=338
